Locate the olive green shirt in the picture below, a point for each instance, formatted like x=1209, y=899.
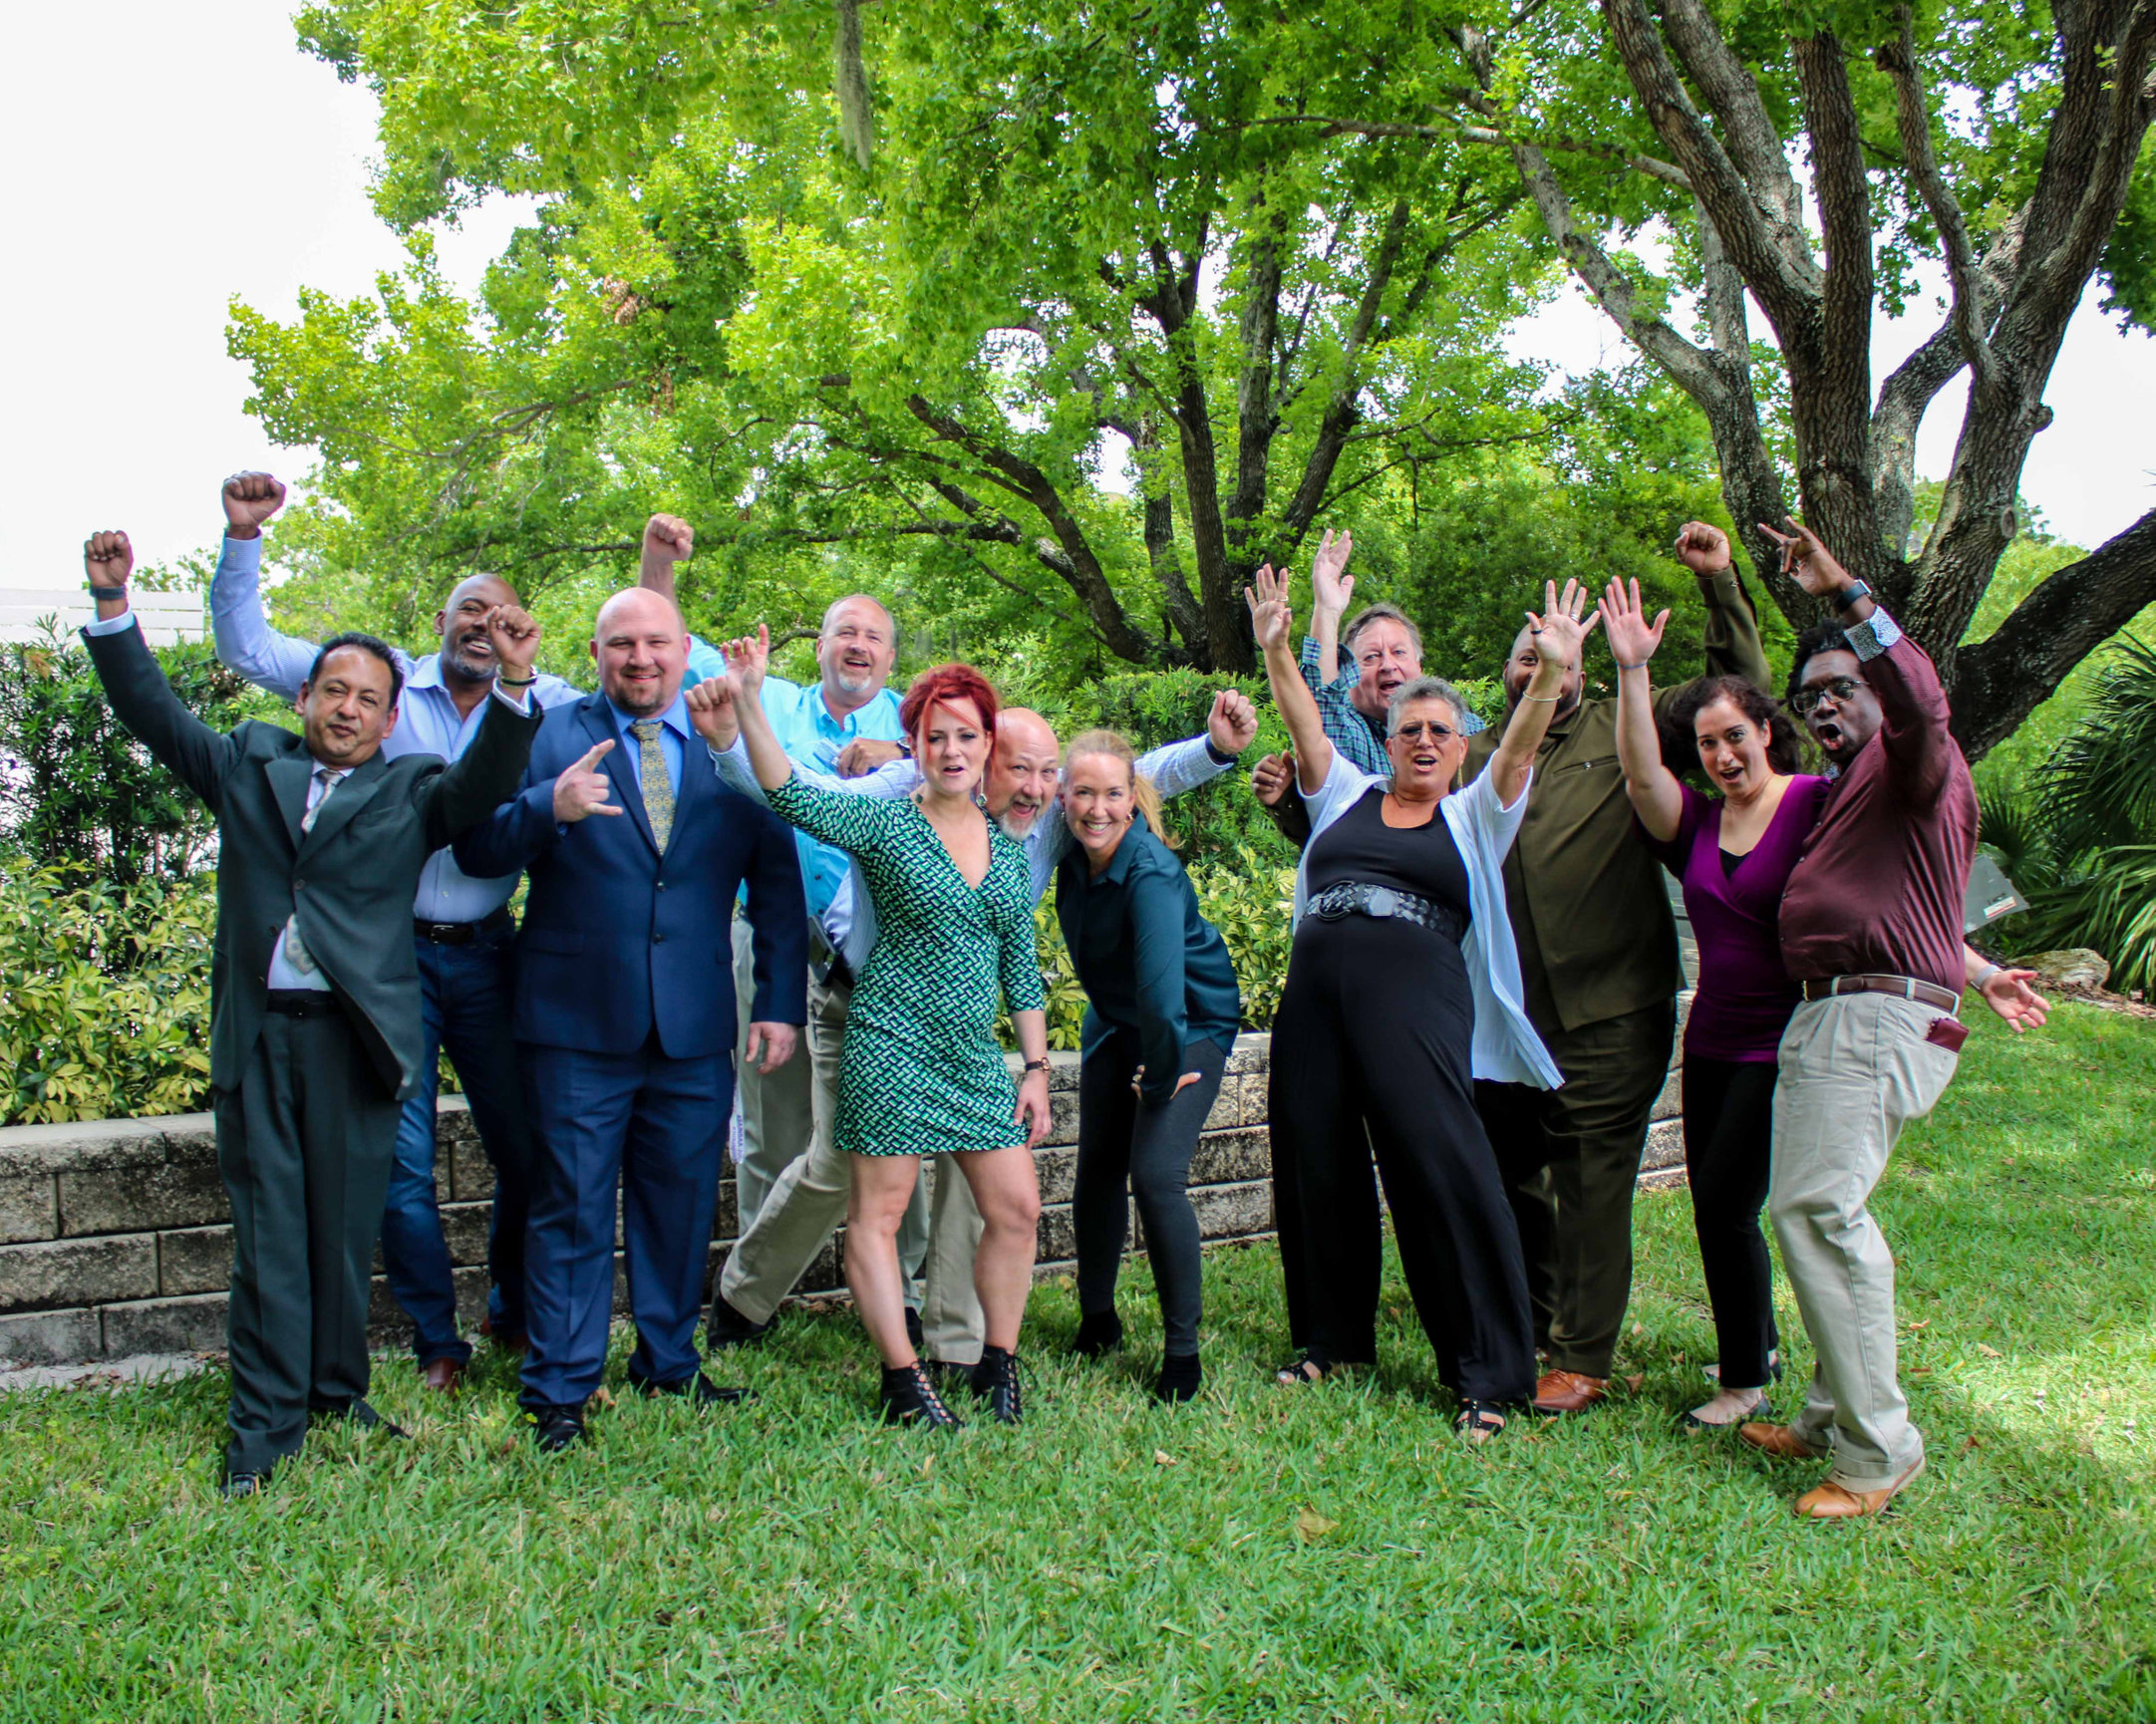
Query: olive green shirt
x=1588, y=909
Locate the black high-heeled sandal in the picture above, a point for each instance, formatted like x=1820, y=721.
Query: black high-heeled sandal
x=1479, y=1421
x=1311, y=1366
x=909, y=1398
x=994, y=1380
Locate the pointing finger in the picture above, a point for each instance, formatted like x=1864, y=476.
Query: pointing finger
x=593, y=755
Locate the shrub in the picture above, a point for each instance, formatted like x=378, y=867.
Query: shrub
x=103, y=995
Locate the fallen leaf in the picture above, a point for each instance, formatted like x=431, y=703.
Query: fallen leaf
x=1925, y=1325
x=1161, y=1458
x=599, y=1398
x=1632, y=1382
x=926, y=1463
x=1968, y=1443
x=1990, y=1352
x=1312, y=1524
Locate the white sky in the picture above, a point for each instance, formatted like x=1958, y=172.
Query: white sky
x=185, y=161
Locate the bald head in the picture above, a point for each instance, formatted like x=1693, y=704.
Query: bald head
x=855, y=649
x=642, y=650
x=1520, y=671
x=467, y=654
x=1021, y=771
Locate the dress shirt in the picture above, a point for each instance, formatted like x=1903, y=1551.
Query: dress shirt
x=428, y=722
x=813, y=738
x=1173, y=768
x=1347, y=727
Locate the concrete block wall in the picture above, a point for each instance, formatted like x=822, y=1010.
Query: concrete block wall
x=116, y=1238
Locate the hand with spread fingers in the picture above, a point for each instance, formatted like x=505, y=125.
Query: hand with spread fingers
x=1270, y=619
x=1632, y=639
x=1330, y=586
x=513, y=633
x=1560, y=634
x=1807, y=561
x=584, y=789
x=747, y=657
x=2007, y=993
x=249, y=500
x=1232, y=725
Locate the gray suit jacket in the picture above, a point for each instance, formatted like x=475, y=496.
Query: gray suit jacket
x=350, y=880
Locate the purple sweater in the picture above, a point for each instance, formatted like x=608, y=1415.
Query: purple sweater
x=1745, y=996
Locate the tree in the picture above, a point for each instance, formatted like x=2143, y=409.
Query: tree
x=2008, y=143
x=1073, y=237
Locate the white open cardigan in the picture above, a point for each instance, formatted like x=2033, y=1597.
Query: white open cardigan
x=1506, y=1047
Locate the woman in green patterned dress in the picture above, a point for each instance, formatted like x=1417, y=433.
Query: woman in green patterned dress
x=922, y=1072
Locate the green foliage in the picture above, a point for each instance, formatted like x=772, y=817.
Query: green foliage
x=77, y=792
x=104, y=994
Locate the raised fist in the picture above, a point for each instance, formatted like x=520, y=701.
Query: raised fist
x=249, y=500
x=108, y=559
x=583, y=788
x=1232, y=725
x=711, y=711
x=1701, y=548
x=515, y=635
x=669, y=538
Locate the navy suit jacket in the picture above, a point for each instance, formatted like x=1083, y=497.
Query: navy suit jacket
x=617, y=937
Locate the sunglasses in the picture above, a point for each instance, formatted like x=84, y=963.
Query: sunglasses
x=1416, y=729
x=1806, y=701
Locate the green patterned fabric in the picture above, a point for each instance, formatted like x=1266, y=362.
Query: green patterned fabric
x=921, y=1073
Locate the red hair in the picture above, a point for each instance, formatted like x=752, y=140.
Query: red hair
x=942, y=686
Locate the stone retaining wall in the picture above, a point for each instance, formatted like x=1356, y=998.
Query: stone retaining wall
x=114, y=1237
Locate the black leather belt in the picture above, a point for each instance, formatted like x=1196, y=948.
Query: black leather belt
x=1901, y=987
x=303, y=1003
x=462, y=933
x=1387, y=903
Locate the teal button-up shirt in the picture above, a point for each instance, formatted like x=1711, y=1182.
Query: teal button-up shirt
x=812, y=736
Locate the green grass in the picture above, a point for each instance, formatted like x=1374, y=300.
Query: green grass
x=1325, y=1553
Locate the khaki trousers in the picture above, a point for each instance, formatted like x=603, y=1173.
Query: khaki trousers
x=792, y=1185
x=1854, y=1070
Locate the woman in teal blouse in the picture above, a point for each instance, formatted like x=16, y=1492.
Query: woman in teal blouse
x=1158, y=1033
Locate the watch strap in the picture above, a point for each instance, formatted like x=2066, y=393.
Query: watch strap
x=107, y=594
x=1850, y=594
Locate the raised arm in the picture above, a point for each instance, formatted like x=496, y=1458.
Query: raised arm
x=487, y=775
x=1331, y=587
x=1656, y=795
x=747, y=659
x=1273, y=624
x=1732, y=644
x=1560, y=637
x=1230, y=727
x=140, y=694
x=245, y=641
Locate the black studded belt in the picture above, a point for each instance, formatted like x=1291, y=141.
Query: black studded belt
x=1387, y=903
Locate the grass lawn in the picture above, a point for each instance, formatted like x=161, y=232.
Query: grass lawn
x=1325, y=1553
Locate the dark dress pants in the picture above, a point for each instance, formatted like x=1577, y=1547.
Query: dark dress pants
x=1372, y=1053
x=1128, y=1143
x=304, y=1147
x=654, y=1129
x=1571, y=1162
x=1728, y=1136
x=466, y=996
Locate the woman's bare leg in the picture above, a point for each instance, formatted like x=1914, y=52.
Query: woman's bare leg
x=882, y=1187
x=1008, y=1195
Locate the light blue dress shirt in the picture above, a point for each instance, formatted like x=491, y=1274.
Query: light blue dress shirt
x=428, y=722
x=813, y=738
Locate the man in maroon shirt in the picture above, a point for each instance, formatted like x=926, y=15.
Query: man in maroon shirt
x=1871, y=927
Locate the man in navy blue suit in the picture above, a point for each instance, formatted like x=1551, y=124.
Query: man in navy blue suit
x=624, y=1015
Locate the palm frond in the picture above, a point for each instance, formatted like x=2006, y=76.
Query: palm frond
x=2110, y=908
x=2098, y=789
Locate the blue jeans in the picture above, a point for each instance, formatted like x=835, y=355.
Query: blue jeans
x=465, y=1001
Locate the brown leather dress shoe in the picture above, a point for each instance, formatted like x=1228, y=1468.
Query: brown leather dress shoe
x=1832, y=1502
x=445, y=1377
x=1777, y=1440
x=1568, y=1392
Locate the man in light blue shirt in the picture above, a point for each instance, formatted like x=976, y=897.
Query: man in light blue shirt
x=461, y=926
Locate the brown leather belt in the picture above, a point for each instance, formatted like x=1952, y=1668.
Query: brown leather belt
x=1901, y=987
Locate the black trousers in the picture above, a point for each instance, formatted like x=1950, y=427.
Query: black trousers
x=1371, y=1052
x=305, y=1146
x=1571, y=1162
x=1729, y=1131
x=1124, y=1141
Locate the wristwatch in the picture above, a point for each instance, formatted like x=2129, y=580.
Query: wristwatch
x=1037, y=1066
x=1850, y=594
x=107, y=594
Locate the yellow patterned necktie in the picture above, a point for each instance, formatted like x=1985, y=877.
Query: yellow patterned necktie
x=658, y=788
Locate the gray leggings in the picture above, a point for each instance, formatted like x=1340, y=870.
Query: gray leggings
x=1127, y=1142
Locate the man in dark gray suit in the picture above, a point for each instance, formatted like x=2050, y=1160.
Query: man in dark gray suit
x=315, y=1010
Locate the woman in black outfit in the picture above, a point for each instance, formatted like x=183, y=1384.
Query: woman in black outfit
x=1163, y=1008
x=1403, y=988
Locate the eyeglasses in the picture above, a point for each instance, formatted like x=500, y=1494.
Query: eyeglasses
x=1416, y=729
x=1805, y=700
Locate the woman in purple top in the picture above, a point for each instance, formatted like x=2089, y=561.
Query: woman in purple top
x=1733, y=854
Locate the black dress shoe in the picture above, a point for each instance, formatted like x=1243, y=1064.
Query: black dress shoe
x=726, y=1327
x=238, y=1485
x=909, y=1398
x=994, y=1380
x=1099, y=1333
x=1181, y=1377
x=699, y=1390
x=556, y=1428
x=362, y=1414
x=916, y=1336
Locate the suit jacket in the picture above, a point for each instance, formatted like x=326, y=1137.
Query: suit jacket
x=350, y=880
x=618, y=937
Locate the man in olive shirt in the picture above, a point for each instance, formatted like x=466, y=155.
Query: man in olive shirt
x=1598, y=959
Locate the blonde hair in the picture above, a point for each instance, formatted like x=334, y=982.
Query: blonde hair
x=1118, y=746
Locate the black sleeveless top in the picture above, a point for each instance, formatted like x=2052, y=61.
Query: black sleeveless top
x=1360, y=846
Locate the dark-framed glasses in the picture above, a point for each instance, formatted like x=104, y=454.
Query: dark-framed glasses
x=1416, y=729
x=1806, y=701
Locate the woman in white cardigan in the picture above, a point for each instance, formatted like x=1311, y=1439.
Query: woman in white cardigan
x=1403, y=988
